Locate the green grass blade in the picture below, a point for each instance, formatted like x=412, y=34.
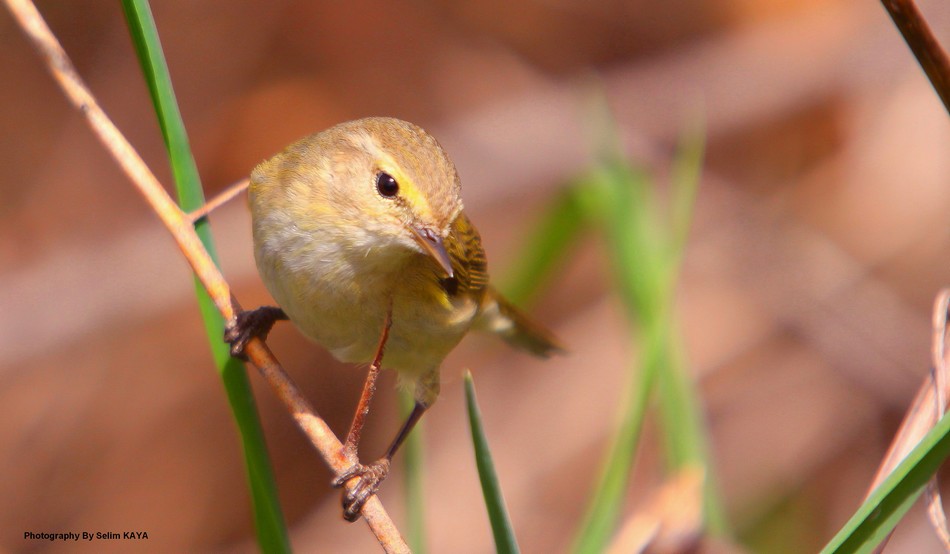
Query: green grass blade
x=634, y=239
x=144, y=34
x=685, y=435
x=505, y=542
x=685, y=439
x=680, y=406
x=684, y=179
x=608, y=198
x=876, y=518
x=268, y=518
x=412, y=456
x=547, y=246
x=606, y=502
x=645, y=256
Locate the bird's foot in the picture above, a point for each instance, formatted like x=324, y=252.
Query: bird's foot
x=248, y=325
x=370, y=476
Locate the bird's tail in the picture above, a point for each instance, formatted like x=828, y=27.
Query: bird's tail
x=505, y=320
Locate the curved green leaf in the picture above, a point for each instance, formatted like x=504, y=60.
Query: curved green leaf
x=268, y=518
x=505, y=542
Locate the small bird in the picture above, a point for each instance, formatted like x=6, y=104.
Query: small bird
x=361, y=238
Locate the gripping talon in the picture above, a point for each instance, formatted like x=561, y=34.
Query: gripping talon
x=370, y=476
x=248, y=325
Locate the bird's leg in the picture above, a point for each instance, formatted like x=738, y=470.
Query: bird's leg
x=250, y=324
x=407, y=427
x=369, y=389
x=370, y=476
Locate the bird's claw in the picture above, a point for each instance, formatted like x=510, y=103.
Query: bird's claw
x=237, y=333
x=370, y=476
x=248, y=325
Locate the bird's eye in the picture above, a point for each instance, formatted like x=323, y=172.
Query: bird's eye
x=386, y=185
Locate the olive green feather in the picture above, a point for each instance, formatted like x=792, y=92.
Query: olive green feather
x=496, y=314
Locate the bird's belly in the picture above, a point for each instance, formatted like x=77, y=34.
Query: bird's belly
x=425, y=329
x=346, y=315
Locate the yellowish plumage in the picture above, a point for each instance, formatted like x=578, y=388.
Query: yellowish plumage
x=337, y=254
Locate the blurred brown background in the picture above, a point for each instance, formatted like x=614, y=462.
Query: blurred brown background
x=819, y=243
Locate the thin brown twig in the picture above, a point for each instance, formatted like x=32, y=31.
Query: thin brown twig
x=924, y=412
x=222, y=198
x=935, y=63
x=180, y=225
x=917, y=34
x=939, y=351
x=938, y=518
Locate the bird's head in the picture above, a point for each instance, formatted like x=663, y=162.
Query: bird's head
x=383, y=184
x=401, y=185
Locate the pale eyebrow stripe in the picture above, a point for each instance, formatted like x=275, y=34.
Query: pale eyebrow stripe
x=367, y=142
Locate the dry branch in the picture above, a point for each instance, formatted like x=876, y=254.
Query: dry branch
x=223, y=198
x=924, y=45
x=925, y=411
x=931, y=401
x=180, y=225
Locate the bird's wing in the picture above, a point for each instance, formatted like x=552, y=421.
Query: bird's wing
x=464, y=247
x=495, y=313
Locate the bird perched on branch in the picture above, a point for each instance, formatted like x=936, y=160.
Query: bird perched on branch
x=360, y=237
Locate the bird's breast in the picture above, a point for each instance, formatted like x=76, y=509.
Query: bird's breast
x=338, y=292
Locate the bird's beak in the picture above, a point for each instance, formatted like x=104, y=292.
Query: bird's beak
x=432, y=245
